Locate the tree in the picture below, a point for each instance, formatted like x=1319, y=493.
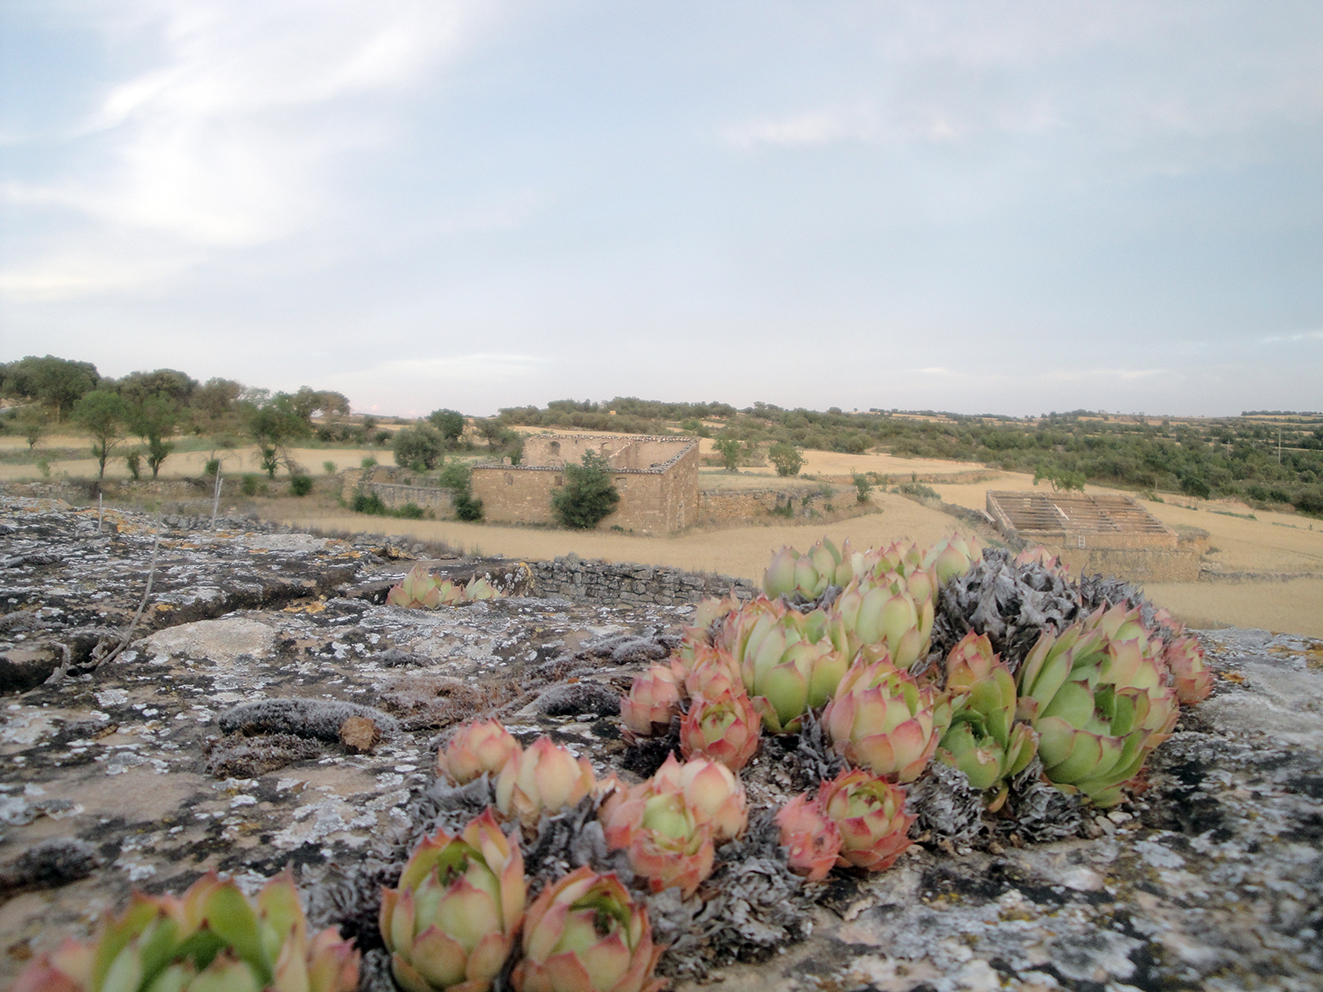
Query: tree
x=450, y=423
x=56, y=382
x=273, y=424
x=862, y=486
x=213, y=403
x=731, y=450
x=308, y=401
x=588, y=495
x=419, y=447
x=154, y=419
x=136, y=387
x=102, y=413
x=1062, y=479
x=32, y=424
x=786, y=457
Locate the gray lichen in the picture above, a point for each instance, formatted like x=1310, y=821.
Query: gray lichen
x=317, y=718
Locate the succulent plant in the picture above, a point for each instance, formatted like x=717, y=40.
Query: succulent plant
x=789, y=663
x=870, y=814
x=585, y=934
x=953, y=556
x=882, y=719
x=451, y=922
x=419, y=590
x=212, y=939
x=666, y=839
x=884, y=613
x=543, y=777
x=1099, y=705
x=654, y=698
x=983, y=740
x=812, y=839
x=1184, y=657
x=725, y=728
x=712, y=789
x=805, y=577
x=481, y=747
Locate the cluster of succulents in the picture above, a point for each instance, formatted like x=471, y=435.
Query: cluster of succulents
x=849, y=658
x=421, y=590
x=212, y=938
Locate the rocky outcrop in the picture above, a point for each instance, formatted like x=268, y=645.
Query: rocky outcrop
x=267, y=710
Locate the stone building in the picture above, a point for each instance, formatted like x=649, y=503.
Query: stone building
x=657, y=478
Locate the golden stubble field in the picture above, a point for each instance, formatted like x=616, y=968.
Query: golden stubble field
x=1280, y=543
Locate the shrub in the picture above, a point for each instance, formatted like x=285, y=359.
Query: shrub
x=300, y=485
x=862, y=487
x=368, y=503
x=134, y=462
x=328, y=467
x=786, y=457
x=455, y=475
x=212, y=467
x=368, y=462
x=588, y=495
x=410, y=511
x=917, y=489
x=250, y=484
x=731, y=451
x=1194, y=485
x=467, y=507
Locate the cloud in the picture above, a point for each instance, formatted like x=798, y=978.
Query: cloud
x=824, y=126
x=232, y=136
x=1293, y=338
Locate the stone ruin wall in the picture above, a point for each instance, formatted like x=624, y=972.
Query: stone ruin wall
x=657, y=478
x=609, y=583
x=394, y=487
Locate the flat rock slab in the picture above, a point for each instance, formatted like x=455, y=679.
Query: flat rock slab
x=1210, y=879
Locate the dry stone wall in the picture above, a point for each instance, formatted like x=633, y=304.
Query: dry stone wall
x=603, y=582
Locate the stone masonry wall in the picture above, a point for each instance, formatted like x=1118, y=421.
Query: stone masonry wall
x=661, y=498
x=393, y=487
x=725, y=506
x=603, y=582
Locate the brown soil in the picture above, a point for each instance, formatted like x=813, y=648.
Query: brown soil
x=1284, y=544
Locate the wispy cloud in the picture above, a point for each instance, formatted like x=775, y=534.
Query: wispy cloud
x=1296, y=338
x=231, y=137
x=822, y=126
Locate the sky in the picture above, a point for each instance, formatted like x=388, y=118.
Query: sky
x=964, y=205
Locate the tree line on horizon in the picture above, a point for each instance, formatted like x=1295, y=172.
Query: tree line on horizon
x=1279, y=462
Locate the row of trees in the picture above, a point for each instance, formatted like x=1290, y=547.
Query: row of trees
x=155, y=407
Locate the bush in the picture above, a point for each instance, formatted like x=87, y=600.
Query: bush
x=467, y=507
x=917, y=489
x=1193, y=485
x=862, y=486
x=368, y=503
x=420, y=447
x=786, y=457
x=368, y=462
x=250, y=484
x=455, y=475
x=410, y=511
x=211, y=468
x=133, y=461
x=300, y=485
x=328, y=467
x=588, y=495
